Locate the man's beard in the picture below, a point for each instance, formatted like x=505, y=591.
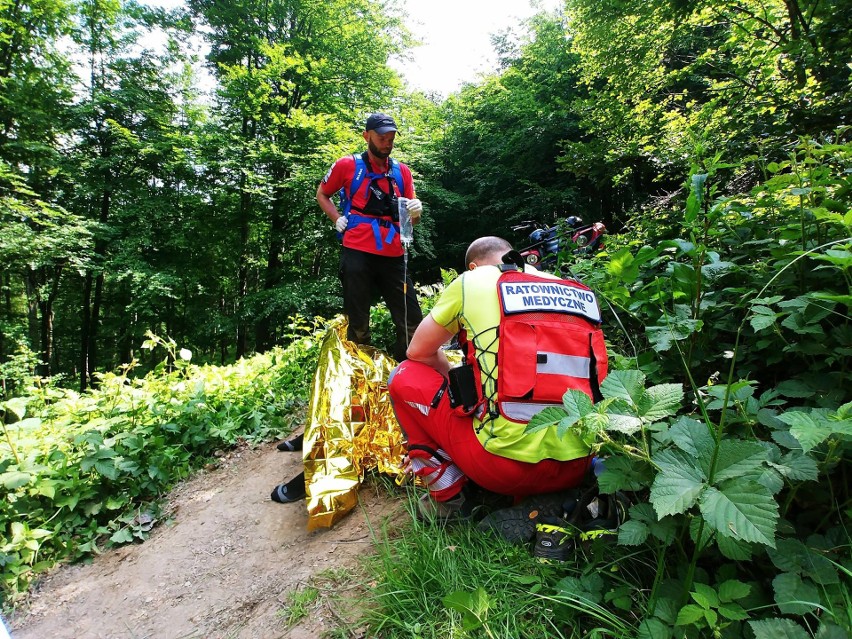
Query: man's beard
x=375, y=150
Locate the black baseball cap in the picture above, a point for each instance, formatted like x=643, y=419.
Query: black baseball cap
x=380, y=123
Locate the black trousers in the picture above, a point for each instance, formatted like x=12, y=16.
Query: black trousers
x=362, y=274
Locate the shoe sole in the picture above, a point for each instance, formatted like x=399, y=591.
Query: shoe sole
x=516, y=525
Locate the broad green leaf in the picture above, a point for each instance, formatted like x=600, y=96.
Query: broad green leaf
x=810, y=429
x=663, y=337
x=106, y=467
x=733, y=590
x=743, y=510
x=665, y=529
x=589, y=589
x=794, y=596
x=714, y=270
x=588, y=427
x=733, y=611
x=737, y=458
x=115, y=502
x=17, y=406
x=828, y=630
x=622, y=473
x=621, y=265
x=667, y=606
x=577, y=404
x=473, y=606
x=769, y=478
x=626, y=385
x=792, y=556
x=793, y=388
x=777, y=629
x=14, y=479
x=677, y=487
x=660, y=401
x=122, y=536
x=711, y=617
x=545, y=419
x=735, y=549
x=705, y=596
x=769, y=417
x=784, y=439
x=761, y=322
x=798, y=466
x=632, y=533
x=696, y=196
x=623, y=423
x=693, y=438
x=689, y=614
x=653, y=629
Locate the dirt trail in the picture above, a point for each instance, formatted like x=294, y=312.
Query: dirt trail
x=222, y=568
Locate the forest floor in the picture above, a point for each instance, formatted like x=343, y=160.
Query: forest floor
x=226, y=564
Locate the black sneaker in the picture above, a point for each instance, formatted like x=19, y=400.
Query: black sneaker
x=471, y=504
x=554, y=539
x=516, y=524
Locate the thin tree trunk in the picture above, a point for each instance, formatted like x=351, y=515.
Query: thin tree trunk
x=85, y=325
x=92, y=301
x=264, y=334
x=242, y=285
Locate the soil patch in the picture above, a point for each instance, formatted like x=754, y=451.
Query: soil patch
x=224, y=565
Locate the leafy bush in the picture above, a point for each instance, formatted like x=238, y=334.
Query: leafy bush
x=727, y=422
x=81, y=472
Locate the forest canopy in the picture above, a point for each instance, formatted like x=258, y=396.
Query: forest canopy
x=132, y=202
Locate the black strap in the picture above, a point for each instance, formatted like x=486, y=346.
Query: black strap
x=593, y=373
x=437, y=398
x=434, y=453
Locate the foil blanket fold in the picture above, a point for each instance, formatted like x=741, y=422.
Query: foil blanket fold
x=351, y=427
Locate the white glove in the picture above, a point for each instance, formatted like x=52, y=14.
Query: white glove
x=415, y=208
x=340, y=223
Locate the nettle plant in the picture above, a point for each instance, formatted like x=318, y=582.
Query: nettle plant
x=713, y=497
x=741, y=491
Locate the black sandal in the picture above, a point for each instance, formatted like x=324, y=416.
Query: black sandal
x=292, y=445
x=293, y=490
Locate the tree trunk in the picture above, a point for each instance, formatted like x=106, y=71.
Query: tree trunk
x=85, y=325
x=264, y=333
x=92, y=308
x=242, y=285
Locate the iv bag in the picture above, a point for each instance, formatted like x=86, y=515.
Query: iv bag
x=406, y=227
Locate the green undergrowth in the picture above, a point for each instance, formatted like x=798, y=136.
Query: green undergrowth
x=83, y=472
x=726, y=419
x=432, y=581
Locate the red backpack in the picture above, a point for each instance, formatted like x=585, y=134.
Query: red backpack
x=550, y=341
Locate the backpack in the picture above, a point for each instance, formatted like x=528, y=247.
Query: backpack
x=362, y=173
x=550, y=341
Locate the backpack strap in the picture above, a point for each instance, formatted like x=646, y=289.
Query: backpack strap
x=363, y=172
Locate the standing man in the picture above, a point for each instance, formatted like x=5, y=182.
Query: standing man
x=372, y=258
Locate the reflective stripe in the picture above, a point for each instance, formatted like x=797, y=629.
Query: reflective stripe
x=522, y=411
x=436, y=475
x=559, y=364
x=421, y=407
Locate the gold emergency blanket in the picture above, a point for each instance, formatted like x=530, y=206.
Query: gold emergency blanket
x=350, y=428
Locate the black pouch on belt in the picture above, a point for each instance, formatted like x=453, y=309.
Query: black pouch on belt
x=463, y=391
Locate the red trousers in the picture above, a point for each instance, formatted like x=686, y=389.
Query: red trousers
x=431, y=425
